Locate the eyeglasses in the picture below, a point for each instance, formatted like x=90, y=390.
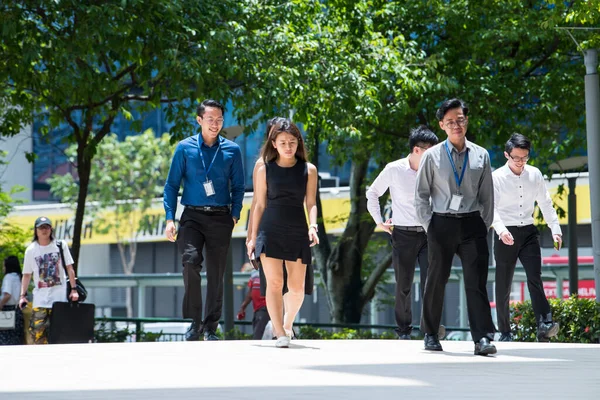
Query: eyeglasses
x=44, y=227
x=519, y=159
x=452, y=124
x=212, y=121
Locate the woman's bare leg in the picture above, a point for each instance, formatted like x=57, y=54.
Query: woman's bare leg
x=274, y=275
x=296, y=274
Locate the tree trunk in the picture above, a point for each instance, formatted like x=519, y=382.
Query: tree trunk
x=84, y=168
x=344, y=281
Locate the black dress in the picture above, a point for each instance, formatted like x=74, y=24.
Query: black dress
x=283, y=231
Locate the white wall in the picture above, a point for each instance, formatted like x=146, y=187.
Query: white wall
x=18, y=171
x=95, y=259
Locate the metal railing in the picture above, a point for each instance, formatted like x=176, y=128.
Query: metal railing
x=142, y=282
x=170, y=336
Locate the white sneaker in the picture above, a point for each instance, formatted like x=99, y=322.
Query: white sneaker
x=283, y=342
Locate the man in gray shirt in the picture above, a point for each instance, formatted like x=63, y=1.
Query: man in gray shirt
x=454, y=201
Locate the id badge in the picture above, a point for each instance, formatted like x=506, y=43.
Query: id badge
x=455, y=202
x=209, y=188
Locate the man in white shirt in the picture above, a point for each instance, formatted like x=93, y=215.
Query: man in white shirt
x=517, y=186
x=409, y=240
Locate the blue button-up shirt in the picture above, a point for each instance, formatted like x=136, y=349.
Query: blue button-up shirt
x=187, y=166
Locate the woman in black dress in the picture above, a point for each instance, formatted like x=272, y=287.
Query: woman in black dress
x=283, y=185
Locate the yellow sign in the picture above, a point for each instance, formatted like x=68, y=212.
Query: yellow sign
x=335, y=203
x=150, y=227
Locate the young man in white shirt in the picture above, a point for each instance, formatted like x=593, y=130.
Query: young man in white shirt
x=517, y=186
x=409, y=240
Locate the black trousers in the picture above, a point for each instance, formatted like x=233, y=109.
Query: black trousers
x=212, y=231
x=527, y=249
x=408, y=247
x=259, y=322
x=466, y=237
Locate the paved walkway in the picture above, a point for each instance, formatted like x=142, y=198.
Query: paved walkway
x=310, y=369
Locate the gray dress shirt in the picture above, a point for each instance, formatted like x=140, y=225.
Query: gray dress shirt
x=436, y=181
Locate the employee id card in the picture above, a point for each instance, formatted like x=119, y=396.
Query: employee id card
x=455, y=202
x=209, y=188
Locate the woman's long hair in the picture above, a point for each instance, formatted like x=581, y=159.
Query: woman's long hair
x=11, y=263
x=270, y=123
x=269, y=152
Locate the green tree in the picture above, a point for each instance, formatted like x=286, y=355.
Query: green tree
x=82, y=64
x=13, y=239
x=360, y=74
x=125, y=178
x=332, y=68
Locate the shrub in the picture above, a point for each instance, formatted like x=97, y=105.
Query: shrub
x=579, y=320
x=309, y=332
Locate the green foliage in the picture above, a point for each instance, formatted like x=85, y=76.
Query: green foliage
x=82, y=65
x=579, y=320
x=107, y=332
x=236, y=334
x=13, y=239
x=110, y=334
x=126, y=177
x=309, y=332
x=148, y=336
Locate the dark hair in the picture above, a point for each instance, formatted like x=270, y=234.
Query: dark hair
x=35, y=236
x=450, y=105
x=12, y=265
x=421, y=135
x=517, y=141
x=270, y=123
x=209, y=103
x=269, y=153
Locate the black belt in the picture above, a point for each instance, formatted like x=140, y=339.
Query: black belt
x=410, y=228
x=455, y=215
x=210, y=209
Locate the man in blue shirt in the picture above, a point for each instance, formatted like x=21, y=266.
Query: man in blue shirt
x=213, y=189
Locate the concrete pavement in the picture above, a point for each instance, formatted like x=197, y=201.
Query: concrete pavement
x=310, y=369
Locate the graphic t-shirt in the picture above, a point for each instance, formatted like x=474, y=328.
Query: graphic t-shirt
x=258, y=301
x=49, y=279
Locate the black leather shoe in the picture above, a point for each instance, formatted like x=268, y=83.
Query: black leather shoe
x=210, y=335
x=432, y=342
x=506, y=337
x=404, y=336
x=193, y=332
x=546, y=330
x=484, y=347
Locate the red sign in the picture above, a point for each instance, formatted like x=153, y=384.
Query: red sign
x=586, y=289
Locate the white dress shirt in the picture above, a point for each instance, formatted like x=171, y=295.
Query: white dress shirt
x=515, y=197
x=401, y=179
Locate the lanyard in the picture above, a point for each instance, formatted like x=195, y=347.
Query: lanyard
x=462, y=174
x=202, y=156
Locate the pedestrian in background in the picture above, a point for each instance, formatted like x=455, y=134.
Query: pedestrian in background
x=517, y=188
x=408, y=237
x=43, y=263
